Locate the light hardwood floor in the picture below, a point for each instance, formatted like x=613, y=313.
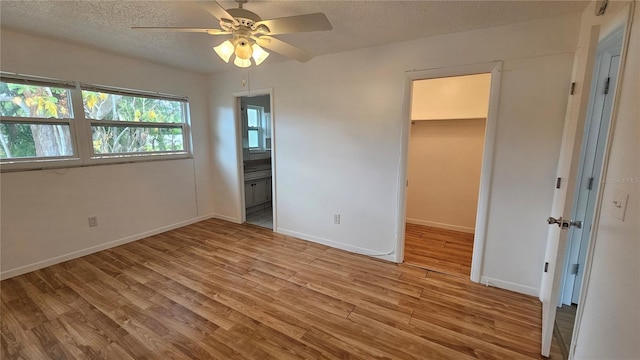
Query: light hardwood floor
x=565, y=319
x=217, y=290
x=440, y=250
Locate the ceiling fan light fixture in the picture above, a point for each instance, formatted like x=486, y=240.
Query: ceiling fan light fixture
x=243, y=63
x=250, y=33
x=224, y=50
x=259, y=54
x=243, y=49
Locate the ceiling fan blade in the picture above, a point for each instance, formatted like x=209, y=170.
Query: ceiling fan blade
x=181, y=29
x=216, y=10
x=299, y=23
x=284, y=48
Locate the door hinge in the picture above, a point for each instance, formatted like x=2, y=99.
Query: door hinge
x=407, y=183
x=558, y=183
x=606, y=86
x=574, y=269
x=590, y=185
x=573, y=88
x=546, y=267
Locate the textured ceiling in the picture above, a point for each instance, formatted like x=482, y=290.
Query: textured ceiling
x=356, y=24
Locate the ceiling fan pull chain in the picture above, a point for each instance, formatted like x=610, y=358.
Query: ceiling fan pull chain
x=247, y=82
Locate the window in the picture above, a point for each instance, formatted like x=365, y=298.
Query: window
x=254, y=127
x=39, y=128
x=36, y=121
x=122, y=123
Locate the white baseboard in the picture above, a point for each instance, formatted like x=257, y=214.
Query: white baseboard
x=227, y=218
x=441, y=225
x=522, y=289
x=389, y=256
x=83, y=252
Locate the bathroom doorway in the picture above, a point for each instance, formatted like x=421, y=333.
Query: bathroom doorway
x=255, y=117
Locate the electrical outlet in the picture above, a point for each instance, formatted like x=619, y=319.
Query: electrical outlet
x=336, y=218
x=93, y=221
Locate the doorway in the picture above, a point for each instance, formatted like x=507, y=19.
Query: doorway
x=256, y=125
x=596, y=131
x=447, y=167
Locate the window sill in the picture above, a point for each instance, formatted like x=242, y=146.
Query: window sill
x=19, y=166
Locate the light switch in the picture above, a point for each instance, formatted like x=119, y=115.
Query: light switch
x=620, y=199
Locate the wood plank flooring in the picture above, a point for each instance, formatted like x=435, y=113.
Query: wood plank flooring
x=440, y=250
x=565, y=319
x=217, y=290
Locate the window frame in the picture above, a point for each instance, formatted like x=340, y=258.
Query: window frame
x=259, y=128
x=135, y=156
x=80, y=128
x=28, y=163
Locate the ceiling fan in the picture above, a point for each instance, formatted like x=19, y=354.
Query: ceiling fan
x=249, y=33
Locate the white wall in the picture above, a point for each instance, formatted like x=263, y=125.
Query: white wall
x=338, y=129
x=44, y=213
x=456, y=97
x=263, y=101
x=443, y=168
x=610, y=327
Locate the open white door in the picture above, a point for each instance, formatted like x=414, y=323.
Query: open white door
x=557, y=235
x=589, y=170
x=577, y=110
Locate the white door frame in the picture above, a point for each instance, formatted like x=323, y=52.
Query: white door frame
x=239, y=153
x=482, y=216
